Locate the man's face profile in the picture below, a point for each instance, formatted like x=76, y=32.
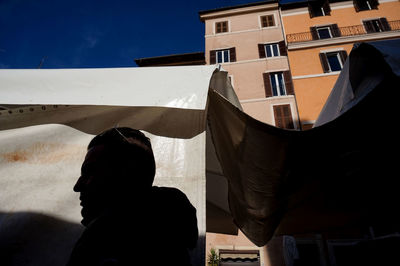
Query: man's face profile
x=92, y=183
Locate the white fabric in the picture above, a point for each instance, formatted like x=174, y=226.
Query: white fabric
x=178, y=87
x=42, y=146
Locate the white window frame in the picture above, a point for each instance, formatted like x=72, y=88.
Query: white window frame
x=269, y=46
x=339, y=59
x=373, y=19
x=223, y=57
x=324, y=27
x=275, y=74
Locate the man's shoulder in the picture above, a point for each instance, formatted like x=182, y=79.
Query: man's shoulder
x=170, y=196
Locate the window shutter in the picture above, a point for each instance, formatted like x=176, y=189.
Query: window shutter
x=283, y=116
x=327, y=8
x=288, y=82
x=373, y=3
x=343, y=56
x=385, y=24
x=267, y=85
x=356, y=7
x=368, y=26
x=310, y=10
x=261, y=50
x=314, y=33
x=232, y=54
x=335, y=30
x=225, y=26
x=282, y=48
x=213, y=57
x=278, y=114
x=324, y=62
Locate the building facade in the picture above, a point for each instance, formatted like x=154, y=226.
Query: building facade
x=320, y=35
x=248, y=42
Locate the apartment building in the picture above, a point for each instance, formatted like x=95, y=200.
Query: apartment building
x=248, y=42
x=320, y=34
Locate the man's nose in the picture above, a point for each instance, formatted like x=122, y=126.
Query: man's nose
x=80, y=184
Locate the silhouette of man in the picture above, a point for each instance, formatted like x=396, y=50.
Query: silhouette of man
x=128, y=221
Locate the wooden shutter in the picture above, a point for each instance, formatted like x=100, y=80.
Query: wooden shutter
x=218, y=27
x=232, y=54
x=343, y=56
x=384, y=24
x=261, y=50
x=213, y=57
x=314, y=33
x=368, y=26
x=335, y=30
x=324, y=62
x=267, y=85
x=310, y=10
x=225, y=26
x=288, y=82
x=283, y=116
x=327, y=8
x=373, y=3
x=282, y=48
x=356, y=7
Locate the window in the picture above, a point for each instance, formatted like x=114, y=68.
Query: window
x=278, y=84
x=325, y=32
x=376, y=25
x=222, y=56
x=221, y=27
x=283, y=116
x=333, y=61
x=362, y=5
x=319, y=8
x=272, y=49
x=267, y=21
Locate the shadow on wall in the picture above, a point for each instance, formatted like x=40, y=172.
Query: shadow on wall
x=28, y=238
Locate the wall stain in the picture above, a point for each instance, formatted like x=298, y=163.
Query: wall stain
x=46, y=153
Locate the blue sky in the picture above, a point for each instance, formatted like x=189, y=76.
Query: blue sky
x=97, y=33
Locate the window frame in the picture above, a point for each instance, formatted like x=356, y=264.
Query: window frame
x=341, y=56
x=223, y=51
x=267, y=15
x=276, y=76
x=270, y=45
x=221, y=22
x=339, y=60
x=322, y=28
x=382, y=24
x=320, y=5
x=371, y=4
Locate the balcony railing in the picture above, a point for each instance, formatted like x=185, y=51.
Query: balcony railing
x=355, y=30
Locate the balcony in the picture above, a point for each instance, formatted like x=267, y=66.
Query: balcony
x=333, y=32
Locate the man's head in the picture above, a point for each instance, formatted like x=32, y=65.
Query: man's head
x=118, y=166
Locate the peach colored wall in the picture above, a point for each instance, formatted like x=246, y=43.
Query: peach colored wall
x=242, y=22
x=244, y=42
x=311, y=95
x=343, y=16
x=312, y=92
x=263, y=110
x=307, y=61
x=248, y=77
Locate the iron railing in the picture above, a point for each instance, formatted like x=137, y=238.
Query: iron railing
x=342, y=32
